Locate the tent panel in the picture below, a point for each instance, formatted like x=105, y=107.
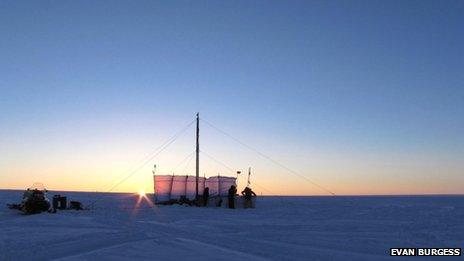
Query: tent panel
x=213, y=184
x=191, y=186
x=163, y=185
x=178, y=187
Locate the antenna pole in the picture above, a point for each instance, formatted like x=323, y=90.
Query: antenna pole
x=249, y=174
x=197, y=170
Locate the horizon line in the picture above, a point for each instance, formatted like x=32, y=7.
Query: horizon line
x=266, y=195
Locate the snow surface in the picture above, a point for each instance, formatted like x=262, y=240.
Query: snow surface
x=280, y=228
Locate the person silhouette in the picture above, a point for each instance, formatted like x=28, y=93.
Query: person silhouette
x=231, y=196
x=205, y=196
x=247, y=194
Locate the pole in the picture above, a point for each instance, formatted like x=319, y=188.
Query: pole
x=154, y=180
x=249, y=173
x=197, y=170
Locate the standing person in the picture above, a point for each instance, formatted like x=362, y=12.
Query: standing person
x=248, y=194
x=205, y=196
x=231, y=196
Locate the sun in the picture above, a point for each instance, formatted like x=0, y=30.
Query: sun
x=142, y=201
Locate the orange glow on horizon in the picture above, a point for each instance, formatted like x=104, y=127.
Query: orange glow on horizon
x=340, y=176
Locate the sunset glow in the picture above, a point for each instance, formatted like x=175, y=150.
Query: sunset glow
x=358, y=104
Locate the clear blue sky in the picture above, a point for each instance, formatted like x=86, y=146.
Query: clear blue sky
x=364, y=97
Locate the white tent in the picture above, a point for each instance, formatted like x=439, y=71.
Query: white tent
x=170, y=187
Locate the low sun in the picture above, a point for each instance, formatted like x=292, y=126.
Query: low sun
x=142, y=192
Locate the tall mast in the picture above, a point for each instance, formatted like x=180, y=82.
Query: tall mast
x=197, y=157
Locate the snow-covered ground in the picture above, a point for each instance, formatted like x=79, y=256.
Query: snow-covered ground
x=280, y=228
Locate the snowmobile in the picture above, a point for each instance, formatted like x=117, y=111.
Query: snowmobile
x=34, y=201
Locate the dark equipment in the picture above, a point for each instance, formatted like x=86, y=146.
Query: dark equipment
x=34, y=201
x=75, y=205
x=59, y=202
x=14, y=206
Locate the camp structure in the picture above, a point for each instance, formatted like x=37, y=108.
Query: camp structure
x=189, y=188
x=172, y=189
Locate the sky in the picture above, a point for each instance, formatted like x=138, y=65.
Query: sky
x=359, y=97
